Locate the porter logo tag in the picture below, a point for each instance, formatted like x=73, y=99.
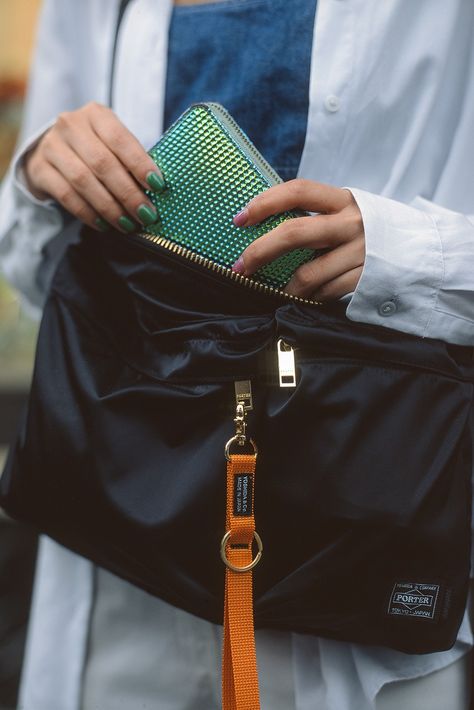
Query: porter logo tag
x=243, y=494
x=409, y=599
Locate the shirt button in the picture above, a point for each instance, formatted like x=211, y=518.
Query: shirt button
x=332, y=103
x=387, y=308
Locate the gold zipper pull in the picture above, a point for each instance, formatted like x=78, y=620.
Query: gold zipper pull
x=286, y=364
x=243, y=394
x=243, y=404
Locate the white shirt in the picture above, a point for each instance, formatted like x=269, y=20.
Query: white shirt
x=391, y=113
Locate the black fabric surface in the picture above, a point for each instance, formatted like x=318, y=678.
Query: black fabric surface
x=363, y=476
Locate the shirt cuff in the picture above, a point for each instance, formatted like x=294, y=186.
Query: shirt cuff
x=403, y=270
x=27, y=227
x=18, y=172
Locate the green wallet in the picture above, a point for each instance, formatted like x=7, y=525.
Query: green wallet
x=212, y=170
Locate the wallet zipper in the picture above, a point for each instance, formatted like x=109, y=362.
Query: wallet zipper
x=239, y=137
x=245, y=144
x=285, y=351
x=225, y=271
x=286, y=366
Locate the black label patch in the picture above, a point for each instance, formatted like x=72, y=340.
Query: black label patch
x=243, y=494
x=410, y=599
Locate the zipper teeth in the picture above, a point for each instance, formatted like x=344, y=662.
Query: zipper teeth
x=238, y=135
x=222, y=270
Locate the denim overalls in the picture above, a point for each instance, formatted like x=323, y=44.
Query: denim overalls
x=253, y=57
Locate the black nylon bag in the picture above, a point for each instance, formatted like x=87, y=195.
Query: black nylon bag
x=362, y=496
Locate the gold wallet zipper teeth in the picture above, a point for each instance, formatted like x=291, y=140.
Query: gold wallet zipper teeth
x=222, y=270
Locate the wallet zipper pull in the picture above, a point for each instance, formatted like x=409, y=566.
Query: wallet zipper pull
x=286, y=364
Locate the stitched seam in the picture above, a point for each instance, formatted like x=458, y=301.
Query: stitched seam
x=442, y=278
x=454, y=315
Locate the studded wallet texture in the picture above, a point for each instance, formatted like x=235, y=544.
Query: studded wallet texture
x=212, y=170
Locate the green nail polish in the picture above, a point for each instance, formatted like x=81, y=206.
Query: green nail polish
x=101, y=224
x=127, y=224
x=147, y=215
x=155, y=181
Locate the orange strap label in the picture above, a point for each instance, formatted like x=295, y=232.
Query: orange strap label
x=239, y=660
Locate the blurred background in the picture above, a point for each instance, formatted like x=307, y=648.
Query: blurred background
x=17, y=332
x=17, y=340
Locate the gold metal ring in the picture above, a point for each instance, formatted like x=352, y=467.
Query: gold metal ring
x=236, y=438
x=255, y=560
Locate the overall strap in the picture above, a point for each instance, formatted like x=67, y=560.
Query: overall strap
x=121, y=12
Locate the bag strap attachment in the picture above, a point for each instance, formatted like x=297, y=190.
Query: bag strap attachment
x=239, y=662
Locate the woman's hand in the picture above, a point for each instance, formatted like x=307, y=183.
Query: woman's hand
x=338, y=226
x=95, y=168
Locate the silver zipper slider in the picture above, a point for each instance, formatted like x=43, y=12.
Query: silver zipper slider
x=286, y=364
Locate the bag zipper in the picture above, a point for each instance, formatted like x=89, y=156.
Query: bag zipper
x=286, y=364
x=243, y=394
x=285, y=351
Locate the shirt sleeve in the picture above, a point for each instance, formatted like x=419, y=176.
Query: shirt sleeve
x=31, y=229
x=418, y=275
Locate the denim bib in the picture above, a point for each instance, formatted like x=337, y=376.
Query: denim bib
x=253, y=57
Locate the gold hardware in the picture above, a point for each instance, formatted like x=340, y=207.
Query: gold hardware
x=240, y=424
x=243, y=397
x=286, y=364
x=255, y=560
x=243, y=393
x=241, y=443
x=222, y=270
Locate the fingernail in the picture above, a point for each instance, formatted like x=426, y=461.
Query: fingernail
x=101, y=224
x=239, y=266
x=155, y=181
x=147, y=215
x=127, y=224
x=241, y=217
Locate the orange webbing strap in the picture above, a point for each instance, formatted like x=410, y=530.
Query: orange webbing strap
x=239, y=661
